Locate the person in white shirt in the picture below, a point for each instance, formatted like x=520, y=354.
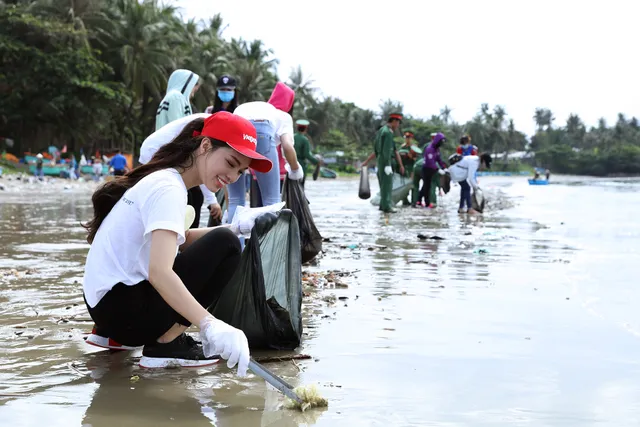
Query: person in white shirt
x=274, y=126
x=138, y=289
x=463, y=171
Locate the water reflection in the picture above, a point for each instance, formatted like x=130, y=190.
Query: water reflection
x=514, y=318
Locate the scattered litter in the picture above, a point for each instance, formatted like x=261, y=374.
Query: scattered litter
x=350, y=246
x=310, y=397
x=423, y=237
x=481, y=251
x=134, y=379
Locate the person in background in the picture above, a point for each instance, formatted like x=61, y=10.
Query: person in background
x=119, y=164
x=409, y=140
x=384, y=150
x=433, y=164
x=176, y=104
x=39, y=166
x=465, y=148
x=303, y=147
x=547, y=174
x=409, y=155
x=274, y=126
x=97, y=169
x=226, y=97
x=463, y=171
x=181, y=87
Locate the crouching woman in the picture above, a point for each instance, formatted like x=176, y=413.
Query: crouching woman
x=463, y=171
x=146, y=279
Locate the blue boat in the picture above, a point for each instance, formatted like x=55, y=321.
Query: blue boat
x=538, y=182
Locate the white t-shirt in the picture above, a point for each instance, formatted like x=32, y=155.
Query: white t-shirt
x=120, y=250
x=165, y=135
x=260, y=110
x=465, y=169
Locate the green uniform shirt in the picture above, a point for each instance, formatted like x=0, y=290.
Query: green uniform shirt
x=384, y=146
x=303, y=150
x=406, y=161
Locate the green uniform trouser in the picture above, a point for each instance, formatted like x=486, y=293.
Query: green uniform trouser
x=415, y=191
x=435, y=184
x=408, y=169
x=386, y=186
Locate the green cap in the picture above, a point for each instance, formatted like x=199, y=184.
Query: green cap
x=302, y=122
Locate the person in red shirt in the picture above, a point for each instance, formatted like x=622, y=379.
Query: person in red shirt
x=465, y=148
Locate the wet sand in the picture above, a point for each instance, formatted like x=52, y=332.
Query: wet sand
x=522, y=316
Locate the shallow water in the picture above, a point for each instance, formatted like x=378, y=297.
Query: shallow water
x=523, y=316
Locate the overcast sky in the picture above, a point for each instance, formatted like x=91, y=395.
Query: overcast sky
x=570, y=56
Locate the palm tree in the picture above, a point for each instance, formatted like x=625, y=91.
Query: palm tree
x=254, y=68
x=305, y=91
x=445, y=114
x=539, y=118
x=548, y=119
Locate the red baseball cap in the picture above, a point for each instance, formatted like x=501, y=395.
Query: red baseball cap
x=239, y=134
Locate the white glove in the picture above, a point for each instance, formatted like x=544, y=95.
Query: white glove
x=245, y=218
x=295, y=175
x=443, y=171
x=230, y=343
x=388, y=170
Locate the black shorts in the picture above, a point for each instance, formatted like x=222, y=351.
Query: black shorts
x=137, y=315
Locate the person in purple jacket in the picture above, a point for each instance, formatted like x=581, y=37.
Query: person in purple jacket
x=433, y=164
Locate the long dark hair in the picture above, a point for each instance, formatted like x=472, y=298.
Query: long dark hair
x=217, y=103
x=178, y=154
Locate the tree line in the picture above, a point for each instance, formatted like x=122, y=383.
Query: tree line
x=90, y=74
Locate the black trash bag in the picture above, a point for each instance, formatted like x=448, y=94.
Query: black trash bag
x=310, y=238
x=264, y=297
x=364, y=191
x=316, y=172
x=478, y=201
x=445, y=183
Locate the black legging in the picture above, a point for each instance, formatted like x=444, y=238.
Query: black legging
x=195, y=198
x=137, y=315
x=427, y=176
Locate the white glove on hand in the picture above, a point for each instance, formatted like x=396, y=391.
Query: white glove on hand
x=443, y=171
x=230, y=343
x=245, y=218
x=388, y=170
x=295, y=175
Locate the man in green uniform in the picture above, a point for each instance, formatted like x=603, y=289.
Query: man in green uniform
x=385, y=151
x=303, y=147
